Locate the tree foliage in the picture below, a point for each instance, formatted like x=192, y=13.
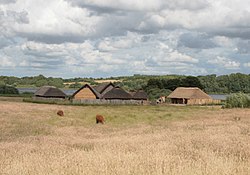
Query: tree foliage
x=8, y=90
x=226, y=83
x=36, y=81
x=75, y=85
x=238, y=100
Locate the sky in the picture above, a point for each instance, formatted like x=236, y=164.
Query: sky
x=103, y=38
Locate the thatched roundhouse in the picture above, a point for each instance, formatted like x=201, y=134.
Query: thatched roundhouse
x=50, y=92
x=117, y=93
x=86, y=92
x=189, y=96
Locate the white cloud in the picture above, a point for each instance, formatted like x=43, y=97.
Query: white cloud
x=118, y=43
x=166, y=54
x=112, y=37
x=247, y=65
x=179, y=57
x=7, y=62
x=145, y=5
x=225, y=62
x=55, y=18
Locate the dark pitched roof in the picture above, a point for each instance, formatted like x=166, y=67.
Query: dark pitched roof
x=189, y=93
x=97, y=94
x=50, y=91
x=140, y=95
x=132, y=92
x=117, y=93
x=101, y=87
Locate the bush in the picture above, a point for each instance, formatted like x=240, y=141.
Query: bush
x=238, y=100
x=75, y=86
x=155, y=93
x=8, y=90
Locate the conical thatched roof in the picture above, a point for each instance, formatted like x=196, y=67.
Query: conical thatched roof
x=97, y=94
x=117, y=93
x=101, y=87
x=189, y=93
x=50, y=92
x=140, y=95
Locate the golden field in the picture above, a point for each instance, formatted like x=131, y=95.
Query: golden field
x=156, y=140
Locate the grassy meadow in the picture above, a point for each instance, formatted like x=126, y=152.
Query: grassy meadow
x=156, y=140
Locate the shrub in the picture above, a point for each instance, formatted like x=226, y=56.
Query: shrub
x=8, y=90
x=238, y=100
x=75, y=85
x=155, y=93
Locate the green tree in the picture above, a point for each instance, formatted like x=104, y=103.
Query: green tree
x=191, y=81
x=75, y=85
x=238, y=100
x=172, y=84
x=8, y=90
x=41, y=82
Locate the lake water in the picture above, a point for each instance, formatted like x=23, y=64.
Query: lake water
x=219, y=96
x=71, y=91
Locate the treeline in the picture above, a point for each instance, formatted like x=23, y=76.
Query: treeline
x=138, y=81
x=36, y=81
x=157, y=86
x=226, y=83
x=40, y=80
x=154, y=84
x=163, y=87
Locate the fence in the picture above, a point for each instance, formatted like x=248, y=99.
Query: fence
x=114, y=102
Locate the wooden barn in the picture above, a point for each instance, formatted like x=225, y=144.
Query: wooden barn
x=189, y=96
x=47, y=92
x=103, y=88
x=86, y=92
x=117, y=93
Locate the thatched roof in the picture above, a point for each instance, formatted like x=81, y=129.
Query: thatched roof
x=132, y=92
x=101, y=87
x=97, y=94
x=117, y=93
x=140, y=95
x=50, y=92
x=189, y=93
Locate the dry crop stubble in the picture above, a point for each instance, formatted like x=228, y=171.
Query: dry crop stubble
x=134, y=140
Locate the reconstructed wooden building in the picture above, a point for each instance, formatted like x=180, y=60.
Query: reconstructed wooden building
x=103, y=88
x=49, y=92
x=108, y=93
x=189, y=96
x=117, y=93
x=140, y=95
x=86, y=92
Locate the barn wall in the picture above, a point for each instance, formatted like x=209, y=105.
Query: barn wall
x=85, y=93
x=202, y=101
x=194, y=101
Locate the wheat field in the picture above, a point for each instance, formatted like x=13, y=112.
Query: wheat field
x=156, y=140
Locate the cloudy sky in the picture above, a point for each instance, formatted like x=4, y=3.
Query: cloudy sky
x=101, y=38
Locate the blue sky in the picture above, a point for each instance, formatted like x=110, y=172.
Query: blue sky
x=102, y=38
